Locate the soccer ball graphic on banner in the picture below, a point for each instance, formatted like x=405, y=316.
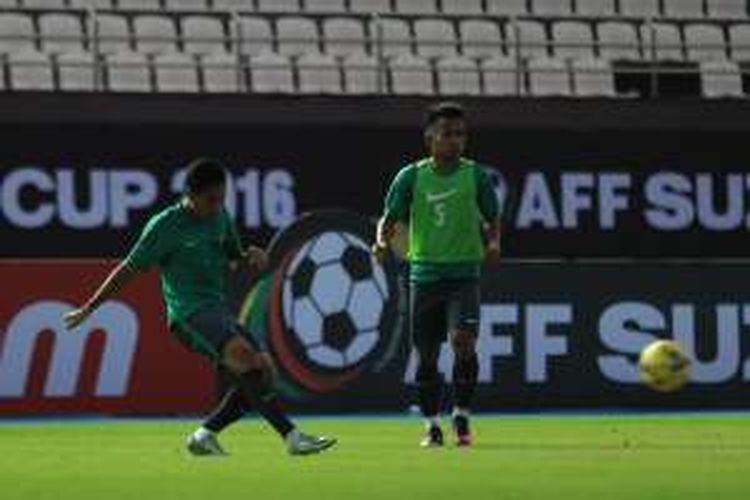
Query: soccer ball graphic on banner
x=334, y=297
x=664, y=366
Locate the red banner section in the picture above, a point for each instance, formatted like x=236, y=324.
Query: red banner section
x=121, y=360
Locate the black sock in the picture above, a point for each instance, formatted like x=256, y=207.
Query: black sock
x=465, y=373
x=256, y=391
x=231, y=408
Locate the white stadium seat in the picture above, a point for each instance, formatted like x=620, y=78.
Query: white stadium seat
x=271, y=73
x=533, y=39
x=220, y=72
x=128, y=72
x=500, y=77
x=480, y=38
x=114, y=35
x=464, y=7
x=667, y=39
x=458, y=76
x=435, y=38
x=396, y=36
x=618, y=41
x=640, y=8
x=552, y=7
x=595, y=8
x=739, y=39
x=370, y=6
x=256, y=34
x=11, y=4
x=731, y=9
x=234, y=5
x=30, y=70
x=16, y=32
x=573, y=39
x=176, y=72
x=43, y=4
x=721, y=79
x=705, y=42
x=683, y=8
x=344, y=36
x=361, y=74
x=155, y=34
x=424, y=7
x=61, y=33
x=279, y=6
x=203, y=34
x=297, y=36
x=139, y=4
x=327, y=6
x=411, y=75
x=96, y=4
x=318, y=74
x=548, y=77
x=507, y=7
x=180, y=5
x=76, y=71
x=593, y=78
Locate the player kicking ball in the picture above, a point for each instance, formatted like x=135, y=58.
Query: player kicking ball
x=193, y=242
x=448, y=202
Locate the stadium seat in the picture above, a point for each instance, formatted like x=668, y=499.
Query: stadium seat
x=176, y=72
x=721, y=79
x=180, y=5
x=435, y=38
x=61, y=33
x=139, y=4
x=667, y=39
x=256, y=35
x=318, y=74
x=6, y=4
x=458, y=76
x=30, y=70
x=370, y=6
x=573, y=39
x=683, y=8
x=396, y=37
x=2, y=77
x=297, y=36
x=548, y=77
x=279, y=5
x=155, y=34
x=220, y=72
x=593, y=78
x=500, y=78
x=595, y=8
x=203, y=34
x=533, y=41
x=16, y=32
x=360, y=74
x=234, y=5
x=97, y=4
x=43, y=4
x=128, y=72
x=739, y=39
x=618, y=41
x=640, y=8
x=551, y=7
x=271, y=73
x=705, y=42
x=76, y=71
x=423, y=7
x=464, y=7
x=507, y=7
x=480, y=38
x=327, y=6
x=114, y=35
x=344, y=36
x=730, y=9
x=411, y=75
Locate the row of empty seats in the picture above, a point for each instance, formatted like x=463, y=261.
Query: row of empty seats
x=638, y=8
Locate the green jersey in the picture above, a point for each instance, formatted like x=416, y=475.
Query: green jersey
x=192, y=255
x=444, y=210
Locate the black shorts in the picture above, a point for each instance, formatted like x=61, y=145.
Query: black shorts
x=438, y=308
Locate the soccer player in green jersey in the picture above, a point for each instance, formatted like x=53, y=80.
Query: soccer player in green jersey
x=452, y=213
x=194, y=243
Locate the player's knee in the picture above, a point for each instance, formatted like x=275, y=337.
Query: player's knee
x=242, y=359
x=464, y=343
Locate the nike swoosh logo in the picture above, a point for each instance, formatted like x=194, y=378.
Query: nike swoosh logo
x=435, y=197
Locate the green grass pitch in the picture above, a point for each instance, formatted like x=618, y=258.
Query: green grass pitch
x=521, y=457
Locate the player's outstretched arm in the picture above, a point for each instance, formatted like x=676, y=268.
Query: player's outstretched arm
x=117, y=279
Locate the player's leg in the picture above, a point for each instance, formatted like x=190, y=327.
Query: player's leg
x=463, y=314
x=428, y=331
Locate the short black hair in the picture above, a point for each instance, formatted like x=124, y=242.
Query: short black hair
x=449, y=110
x=203, y=174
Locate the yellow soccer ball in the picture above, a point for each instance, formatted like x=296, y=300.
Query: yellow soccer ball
x=664, y=366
